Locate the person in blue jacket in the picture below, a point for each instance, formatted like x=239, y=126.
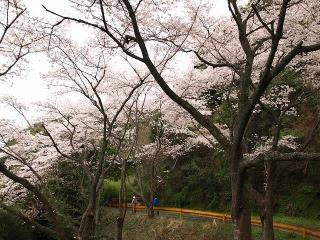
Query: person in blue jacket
x=156, y=203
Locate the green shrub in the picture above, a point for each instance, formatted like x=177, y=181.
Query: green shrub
x=110, y=190
x=68, y=184
x=12, y=228
x=180, y=200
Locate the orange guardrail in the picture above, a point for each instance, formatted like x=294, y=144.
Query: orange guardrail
x=303, y=231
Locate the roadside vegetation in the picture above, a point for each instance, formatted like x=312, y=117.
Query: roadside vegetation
x=170, y=227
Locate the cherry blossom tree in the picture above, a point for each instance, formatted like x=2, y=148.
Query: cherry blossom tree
x=108, y=95
x=164, y=134
x=19, y=34
x=11, y=50
x=25, y=159
x=88, y=133
x=280, y=105
x=259, y=42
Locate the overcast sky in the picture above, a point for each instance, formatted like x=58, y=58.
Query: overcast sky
x=30, y=87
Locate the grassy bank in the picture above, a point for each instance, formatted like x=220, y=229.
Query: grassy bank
x=300, y=221
x=166, y=227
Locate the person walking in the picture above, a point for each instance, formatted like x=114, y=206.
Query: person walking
x=156, y=203
x=134, y=203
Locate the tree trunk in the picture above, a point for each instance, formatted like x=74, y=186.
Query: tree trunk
x=122, y=200
x=267, y=227
x=150, y=209
x=241, y=211
x=267, y=231
x=61, y=233
x=87, y=226
x=97, y=213
x=120, y=221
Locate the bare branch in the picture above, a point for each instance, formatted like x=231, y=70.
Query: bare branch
x=96, y=26
x=265, y=25
x=56, y=145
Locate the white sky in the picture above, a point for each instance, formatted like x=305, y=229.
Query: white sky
x=30, y=87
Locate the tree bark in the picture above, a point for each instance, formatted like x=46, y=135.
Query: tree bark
x=120, y=221
x=241, y=210
x=241, y=213
x=122, y=200
x=150, y=209
x=267, y=227
x=87, y=226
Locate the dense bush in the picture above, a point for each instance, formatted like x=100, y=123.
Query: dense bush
x=12, y=228
x=195, y=169
x=68, y=184
x=109, y=191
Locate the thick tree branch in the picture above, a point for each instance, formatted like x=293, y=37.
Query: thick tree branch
x=23, y=161
x=279, y=157
x=52, y=213
x=298, y=49
x=215, y=65
x=264, y=24
x=204, y=121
